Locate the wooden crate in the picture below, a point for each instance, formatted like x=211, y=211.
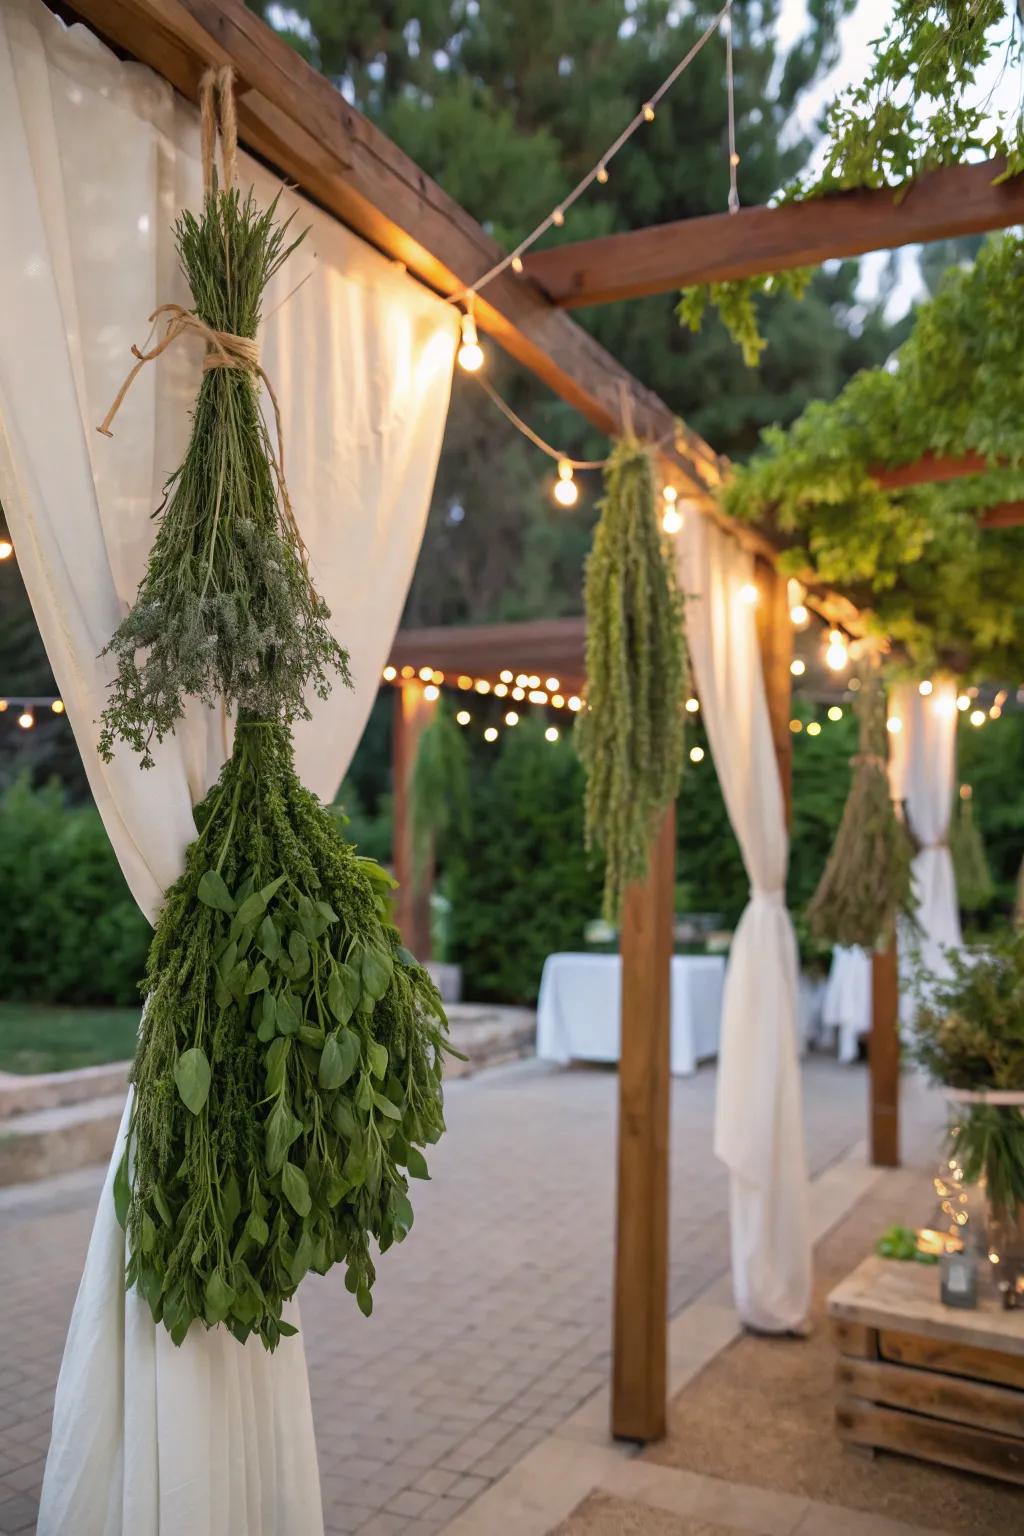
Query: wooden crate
x=940, y=1383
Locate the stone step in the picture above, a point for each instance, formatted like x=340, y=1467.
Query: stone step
x=58, y=1139
x=21, y=1094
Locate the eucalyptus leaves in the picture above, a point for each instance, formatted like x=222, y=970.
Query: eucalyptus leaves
x=630, y=735
x=289, y=1067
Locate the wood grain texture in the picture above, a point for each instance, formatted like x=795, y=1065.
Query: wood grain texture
x=952, y=1445
x=902, y=1302
x=640, y=1344
x=884, y=1058
x=720, y=247
x=855, y=1339
x=412, y=713
x=934, y=1394
x=951, y=1357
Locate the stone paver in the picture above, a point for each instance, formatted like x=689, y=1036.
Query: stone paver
x=490, y=1325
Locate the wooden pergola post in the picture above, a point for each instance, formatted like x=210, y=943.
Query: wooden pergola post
x=884, y=1056
x=640, y=1344
x=413, y=711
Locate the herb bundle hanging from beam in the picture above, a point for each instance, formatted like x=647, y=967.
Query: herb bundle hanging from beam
x=630, y=735
x=289, y=1065
x=226, y=610
x=866, y=881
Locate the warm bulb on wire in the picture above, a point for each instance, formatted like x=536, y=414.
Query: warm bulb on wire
x=963, y=702
x=431, y=692
x=894, y=725
x=749, y=594
x=798, y=667
x=511, y=718
x=389, y=674
x=6, y=549
x=566, y=489
x=648, y=112
x=978, y=717
x=491, y=733
x=924, y=687
x=26, y=719
x=602, y=174
x=516, y=264
x=471, y=354
x=837, y=656
x=463, y=717
x=57, y=706
x=696, y=754
x=551, y=734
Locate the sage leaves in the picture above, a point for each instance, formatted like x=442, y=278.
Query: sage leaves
x=192, y=1075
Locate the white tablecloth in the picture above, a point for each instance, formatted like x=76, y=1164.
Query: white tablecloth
x=847, y=1006
x=578, y=1009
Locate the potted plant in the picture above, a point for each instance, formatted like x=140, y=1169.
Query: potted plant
x=969, y=1037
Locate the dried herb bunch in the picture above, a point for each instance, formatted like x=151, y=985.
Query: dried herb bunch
x=226, y=609
x=630, y=736
x=289, y=1066
x=866, y=881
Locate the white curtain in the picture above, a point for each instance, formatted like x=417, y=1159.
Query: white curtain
x=96, y=159
x=759, y=1116
x=922, y=773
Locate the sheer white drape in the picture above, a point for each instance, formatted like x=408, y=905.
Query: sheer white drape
x=96, y=159
x=759, y=1116
x=922, y=773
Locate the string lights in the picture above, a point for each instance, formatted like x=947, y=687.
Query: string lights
x=837, y=655
x=6, y=549
x=27, y=707
x=566, y=489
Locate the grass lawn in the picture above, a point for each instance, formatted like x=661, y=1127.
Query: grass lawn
x=36, y=1038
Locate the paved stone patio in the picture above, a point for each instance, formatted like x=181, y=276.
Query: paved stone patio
x=491, y=1324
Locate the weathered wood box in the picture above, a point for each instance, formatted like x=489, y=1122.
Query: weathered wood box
x=929, y=1381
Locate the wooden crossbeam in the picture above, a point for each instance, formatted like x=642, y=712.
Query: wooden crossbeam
x=1008, y=514
x=960, y=200
x=931, y=469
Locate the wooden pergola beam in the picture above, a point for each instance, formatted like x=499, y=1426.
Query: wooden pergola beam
x=718, y=247
x=931, y=469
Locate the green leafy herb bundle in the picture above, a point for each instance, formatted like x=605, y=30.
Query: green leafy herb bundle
x=969, y=1033
x=289, y=1065
x=226, y=609
x=866, y=881
x=630, y=735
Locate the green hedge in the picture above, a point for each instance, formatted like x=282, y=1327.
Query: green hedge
x=520, y=884
x=71, y=930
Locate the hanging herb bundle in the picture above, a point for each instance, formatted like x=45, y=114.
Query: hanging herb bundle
x=973, y=877
x=866, y=881
x=289, y=1065
x=630, y=736
x=226, y=609
x=290, y=1057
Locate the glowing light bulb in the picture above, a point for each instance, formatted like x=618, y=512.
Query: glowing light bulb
x=798, y=667
x=463, y=717
x=26, y=720
x=558, y=701
x=551, y=734
x=894, y=725
x=566, y=489
x=471, y=353
x=692, y=705
x=602, y=174
x=516, y=264
x=748, y=594
x=995, y=712
x=408, y=671
x=814, y=728
x=696, y=754
x=3, y=706
x=558, y=217
x=389, y=674
x=977, y=717
x=465, y=682
x=427, y=674
x=799, y=616
x=511, y=718
x=57, y=706
x=551, y=684
x=648, y=112
x=538, y=696
x=837, y=655
x=533, y=681
x=491, y=733
x=835, y=713
x=672, y=520
x=796, y=726
x=518, y=693
x=437, y=677
x=482, y=685
x=500, y=690
x=575, y=704
x=506, y=676
x=963, y=702
x=6, y=549
x=924, y=687
x=431, y=692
